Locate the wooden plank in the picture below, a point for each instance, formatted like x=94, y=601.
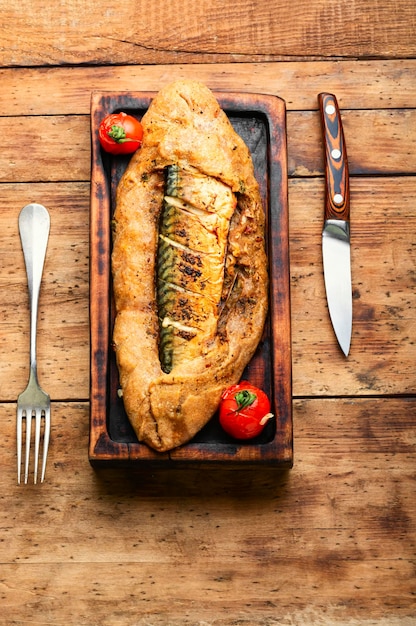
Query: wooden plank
x=383, y=351
x=379, y=142
x=63, y=357
x=333, y=539
x=357, y=84
x=54, y=149
x=215, y=31
x=335, y=592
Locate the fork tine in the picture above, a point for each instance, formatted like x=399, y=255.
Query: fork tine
x=19, y=443
x=28, y=438
x=42, y=436
x=47, y=429
x=38, y=418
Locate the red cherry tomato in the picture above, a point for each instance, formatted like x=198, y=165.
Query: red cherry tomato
x=244, y=410
x=120, y=133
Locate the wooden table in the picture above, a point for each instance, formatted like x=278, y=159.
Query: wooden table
x=330, y=542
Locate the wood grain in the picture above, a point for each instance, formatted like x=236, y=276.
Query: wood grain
x=333, y=541
x=251, y=30
x=60, y=145
x=63, y=355
x=334, y=537
x=383, y=259
x=357, y=84
x=383, y=282
x=368, y=134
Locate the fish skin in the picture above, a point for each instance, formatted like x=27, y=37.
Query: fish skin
x=193, y=230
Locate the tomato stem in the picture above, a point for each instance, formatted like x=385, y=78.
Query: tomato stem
x=118, y=134
x=244, y=398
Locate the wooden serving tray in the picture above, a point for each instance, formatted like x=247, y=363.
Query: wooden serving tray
x=261, y=122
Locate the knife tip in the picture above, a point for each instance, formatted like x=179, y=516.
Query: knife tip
x=345, y=349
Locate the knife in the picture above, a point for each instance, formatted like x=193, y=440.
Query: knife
x=336, y=230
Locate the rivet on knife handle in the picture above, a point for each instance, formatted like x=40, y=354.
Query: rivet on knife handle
x=337, y=203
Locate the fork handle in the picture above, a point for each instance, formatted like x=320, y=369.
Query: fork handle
x=34, y=225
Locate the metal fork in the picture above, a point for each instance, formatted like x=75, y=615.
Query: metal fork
x=33, y=402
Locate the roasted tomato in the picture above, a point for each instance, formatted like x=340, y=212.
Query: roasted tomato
x=120, y=133
x=244, y=410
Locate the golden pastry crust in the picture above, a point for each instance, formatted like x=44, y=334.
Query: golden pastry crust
x=185, y=126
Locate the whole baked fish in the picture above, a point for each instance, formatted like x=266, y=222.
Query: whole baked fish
x=189, y=266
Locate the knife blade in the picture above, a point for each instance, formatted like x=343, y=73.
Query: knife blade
x=336, y=230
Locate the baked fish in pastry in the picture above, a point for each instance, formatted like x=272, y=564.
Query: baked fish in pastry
x=189, y=266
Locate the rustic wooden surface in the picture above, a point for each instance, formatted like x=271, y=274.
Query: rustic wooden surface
x=331, y=542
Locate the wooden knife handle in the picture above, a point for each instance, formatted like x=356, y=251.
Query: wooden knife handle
x=337, y=192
